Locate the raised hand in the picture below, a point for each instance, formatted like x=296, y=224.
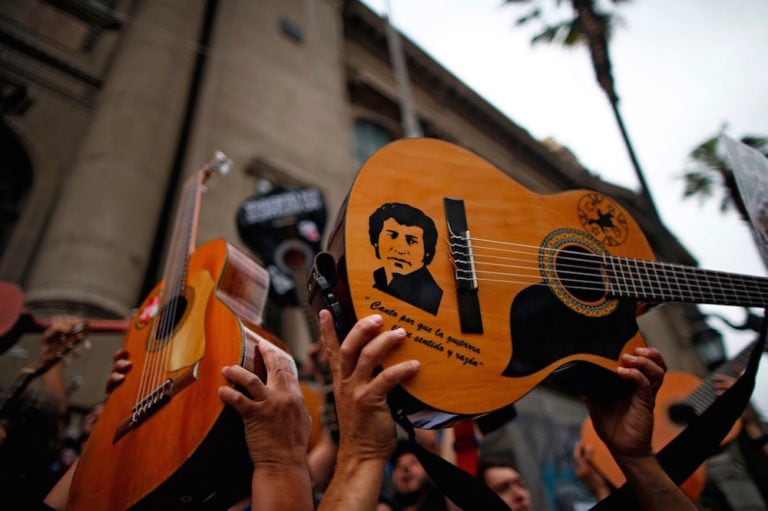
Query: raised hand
x=625, y=422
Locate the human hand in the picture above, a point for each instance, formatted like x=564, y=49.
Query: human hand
x=62, y=334
x=277, y=423
x=625, y=423
x=121, y=365
x=722, y=382
x=367, y=430
x=59, y=328
x=585, y=471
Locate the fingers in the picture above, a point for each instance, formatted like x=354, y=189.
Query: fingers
x=235, y=399
x=362, y=352
x=120, y=355
x=60, y=326
x=374, y=351
x=394, y=375
x=281, y=369
x=645, y=368
x=113, y=381
x=329, y=339
x=244, y=378
x=343, y=357
x=362, y=332
x=121, y=365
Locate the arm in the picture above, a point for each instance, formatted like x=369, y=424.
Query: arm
x=277, y=427
x=322, y=460
x=367, y=430
x=53, y=379
x=625, y=424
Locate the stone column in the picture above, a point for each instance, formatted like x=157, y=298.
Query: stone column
x=94, y=254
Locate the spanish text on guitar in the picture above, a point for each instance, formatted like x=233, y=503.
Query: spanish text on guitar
x=165, y=440
x=497, y=287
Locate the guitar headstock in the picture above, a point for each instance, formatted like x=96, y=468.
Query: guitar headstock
x=221, y=163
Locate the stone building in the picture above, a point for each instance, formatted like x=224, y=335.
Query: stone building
x=109, y=105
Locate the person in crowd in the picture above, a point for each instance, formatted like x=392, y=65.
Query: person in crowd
x=412, y=489
x=597, y=485
x=502, y=477
x=368, y=436
x=34, y=423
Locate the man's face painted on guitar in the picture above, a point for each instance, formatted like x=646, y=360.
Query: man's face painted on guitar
x=401, y=248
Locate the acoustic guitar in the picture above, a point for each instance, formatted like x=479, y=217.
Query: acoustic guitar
x=681, y=398
x=165, y=440
x=498, y=288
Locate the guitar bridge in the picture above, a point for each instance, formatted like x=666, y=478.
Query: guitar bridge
x=153, y=401
x=464, y=267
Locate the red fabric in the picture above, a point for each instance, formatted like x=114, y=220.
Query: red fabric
x=465, y=446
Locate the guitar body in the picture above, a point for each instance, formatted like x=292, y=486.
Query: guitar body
x=525, y=326
x=677, y=386
x=190, y=451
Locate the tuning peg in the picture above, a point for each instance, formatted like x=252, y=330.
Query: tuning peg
x=221, y=163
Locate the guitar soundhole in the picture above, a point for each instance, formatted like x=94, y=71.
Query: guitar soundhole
x=169, y=318
x=579, y=273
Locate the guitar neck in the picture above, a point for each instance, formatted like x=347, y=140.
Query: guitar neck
x=656, y=282
x=14, y=390
x=705, y=394
x=329, y=405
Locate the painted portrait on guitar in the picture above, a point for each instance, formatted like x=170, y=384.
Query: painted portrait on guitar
x=405, y=239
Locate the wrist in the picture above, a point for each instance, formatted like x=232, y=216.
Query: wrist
x=282, y=464
x=642, y=471
x=353, y=461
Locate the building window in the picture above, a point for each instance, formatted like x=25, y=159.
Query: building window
x=369, y=138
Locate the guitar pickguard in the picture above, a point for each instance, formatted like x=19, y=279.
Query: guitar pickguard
x=545, y=330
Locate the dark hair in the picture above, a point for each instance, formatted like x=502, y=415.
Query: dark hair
x=403, y=214
x=403, y=446
x=484, y=465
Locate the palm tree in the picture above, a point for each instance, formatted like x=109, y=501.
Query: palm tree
x=588, y=25
x=710, y=171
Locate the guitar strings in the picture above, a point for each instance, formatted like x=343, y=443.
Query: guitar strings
x=661, y=279
x=159, y=346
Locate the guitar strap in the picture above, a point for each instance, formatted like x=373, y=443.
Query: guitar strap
x=464, y=489
x=701, y=439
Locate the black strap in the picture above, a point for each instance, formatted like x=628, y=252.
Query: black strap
x=701, y=439
x=465, y=490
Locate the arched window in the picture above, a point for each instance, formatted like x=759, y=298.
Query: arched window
x=15, y=183
x=369, y=137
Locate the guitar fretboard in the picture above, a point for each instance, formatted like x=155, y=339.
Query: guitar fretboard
x=666, y=282
x=705, y=394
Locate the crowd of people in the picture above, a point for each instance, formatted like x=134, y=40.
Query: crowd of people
x=371, y=467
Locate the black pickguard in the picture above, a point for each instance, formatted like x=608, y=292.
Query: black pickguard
x=545, y=330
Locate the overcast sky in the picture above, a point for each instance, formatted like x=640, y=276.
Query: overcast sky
x=682, y=70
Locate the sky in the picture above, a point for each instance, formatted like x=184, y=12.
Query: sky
x=682, y=69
